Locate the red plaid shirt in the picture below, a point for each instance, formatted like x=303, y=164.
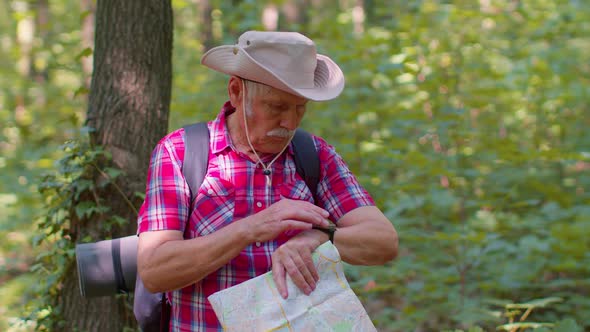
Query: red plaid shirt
x=233, y=188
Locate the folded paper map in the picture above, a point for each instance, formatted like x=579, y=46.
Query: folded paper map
x=256, y=305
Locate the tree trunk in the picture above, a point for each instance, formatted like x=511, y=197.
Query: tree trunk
x=40, y=75
x=128, y=110
x=270, y=17
x=206, y=29
x=25, y=35
x=358, y=18
x=87, y=8
x=295, y=13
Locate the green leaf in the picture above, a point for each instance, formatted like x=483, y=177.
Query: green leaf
x=538, y=303
x=523, y=325
x=85, y=208
x=81, y=91
x=119, y=221
x=84, y=53
x=569, y=325
x=113, y=172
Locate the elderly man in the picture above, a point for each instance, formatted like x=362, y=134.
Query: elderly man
x=253, y=212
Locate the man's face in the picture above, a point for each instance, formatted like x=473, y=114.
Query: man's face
x=273, y=115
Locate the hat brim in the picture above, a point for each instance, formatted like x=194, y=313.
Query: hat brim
x=233, y=60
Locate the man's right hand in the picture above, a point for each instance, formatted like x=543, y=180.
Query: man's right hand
x=284, y=215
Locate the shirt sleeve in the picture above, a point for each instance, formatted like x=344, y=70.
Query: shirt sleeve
x=167, y=196
x=339, y=191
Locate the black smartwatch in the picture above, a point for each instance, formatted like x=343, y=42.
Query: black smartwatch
x=330, y=230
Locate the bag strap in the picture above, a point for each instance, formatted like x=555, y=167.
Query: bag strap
x=307, y=161
x=119, y=277
x=165, y=314
x=196, y=156
x=194, y=169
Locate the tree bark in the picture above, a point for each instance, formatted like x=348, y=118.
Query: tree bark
x=270, y=17
x=206, y=28
x=295, y=13
x=40, y=75
x=87, y=7
x=128, y=111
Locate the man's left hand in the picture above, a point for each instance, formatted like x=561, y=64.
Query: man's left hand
x=294, y=258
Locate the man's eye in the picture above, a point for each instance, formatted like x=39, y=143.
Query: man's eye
x=277, y=107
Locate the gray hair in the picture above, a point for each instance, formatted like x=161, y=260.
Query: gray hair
x=253, y=89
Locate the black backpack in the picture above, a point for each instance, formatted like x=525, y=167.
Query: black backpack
x=152, y=311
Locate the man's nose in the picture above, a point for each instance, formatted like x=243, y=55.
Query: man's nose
x=290, y=120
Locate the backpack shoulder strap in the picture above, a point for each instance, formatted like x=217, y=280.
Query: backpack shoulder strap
x=196, y=155
x=307, y=161
x=152, y=311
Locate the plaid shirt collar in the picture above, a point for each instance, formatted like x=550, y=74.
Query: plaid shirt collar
x=220, y=135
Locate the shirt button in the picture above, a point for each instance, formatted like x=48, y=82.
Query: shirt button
x=210, y=191
x=259, y=204
x=258, y=244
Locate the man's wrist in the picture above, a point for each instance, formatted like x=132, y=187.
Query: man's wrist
x=320, y=236
x=329, y=231
x=246, y=232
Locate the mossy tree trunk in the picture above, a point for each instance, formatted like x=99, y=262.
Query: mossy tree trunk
x=128, y=112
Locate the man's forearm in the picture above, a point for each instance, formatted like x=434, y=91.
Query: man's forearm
x=363, y=248
x=166, y=261
x=177, y=263
x=366, y=237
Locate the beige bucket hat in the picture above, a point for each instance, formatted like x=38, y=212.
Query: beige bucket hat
x=287, y=61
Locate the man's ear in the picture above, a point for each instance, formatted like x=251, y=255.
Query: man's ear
x=234, y=91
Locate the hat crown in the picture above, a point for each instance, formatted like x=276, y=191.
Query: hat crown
x=291, y=55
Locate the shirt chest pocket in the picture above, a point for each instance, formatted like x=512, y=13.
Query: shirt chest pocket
x=214, y=206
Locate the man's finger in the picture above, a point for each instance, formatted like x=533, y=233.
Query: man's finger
x=295, y=224
x=278, y=274
x=311, y=267
x=304, y=269
x=297, y=276
x=305, y=211
x=308, y=260
x=308, y=217
x=312, y=207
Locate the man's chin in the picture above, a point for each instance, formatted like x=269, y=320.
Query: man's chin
x=275, y=147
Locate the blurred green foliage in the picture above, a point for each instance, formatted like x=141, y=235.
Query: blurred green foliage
x=467, y=121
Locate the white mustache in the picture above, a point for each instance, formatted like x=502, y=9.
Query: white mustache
x=281, y=132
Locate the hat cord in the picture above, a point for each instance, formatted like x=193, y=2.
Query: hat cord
x=265, y=167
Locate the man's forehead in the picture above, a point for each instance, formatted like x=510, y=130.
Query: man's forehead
x=274, y=94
